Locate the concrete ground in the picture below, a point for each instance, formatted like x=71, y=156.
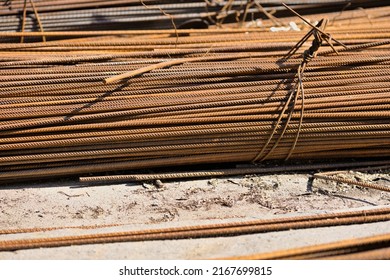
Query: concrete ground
x=187, y=202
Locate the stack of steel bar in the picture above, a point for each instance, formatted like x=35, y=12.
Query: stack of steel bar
x=55, y=15
x=224, y=95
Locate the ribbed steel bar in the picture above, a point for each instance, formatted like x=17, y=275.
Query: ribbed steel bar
x=352, y=182
x=90, y=15
x=371, y=247
x=375, y=254
x=206, y=96
x=238, y=228
x=226, y=172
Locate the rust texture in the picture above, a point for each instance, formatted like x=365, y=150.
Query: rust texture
x=371, y=247
x=202, y=231
x=77, y=101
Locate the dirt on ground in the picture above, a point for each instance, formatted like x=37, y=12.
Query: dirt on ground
x=68, y=203
x=137, y=206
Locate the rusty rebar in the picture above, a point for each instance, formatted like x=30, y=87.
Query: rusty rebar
x=204, y=231
x=206, y=96
x=371, y=247
x=225, y=172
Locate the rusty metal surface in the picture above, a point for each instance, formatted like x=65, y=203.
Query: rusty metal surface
x=213, y=230
x=110, y=100
x=367, y=248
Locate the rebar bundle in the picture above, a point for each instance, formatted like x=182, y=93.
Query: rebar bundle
x=99, y=101
x=55, y=15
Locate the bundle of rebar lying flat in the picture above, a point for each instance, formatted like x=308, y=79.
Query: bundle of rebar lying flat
x=129, y=100
x=55, y=15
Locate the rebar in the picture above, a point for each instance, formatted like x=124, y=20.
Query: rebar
x=203, y=231
x=372, y=247
x=224, y=94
